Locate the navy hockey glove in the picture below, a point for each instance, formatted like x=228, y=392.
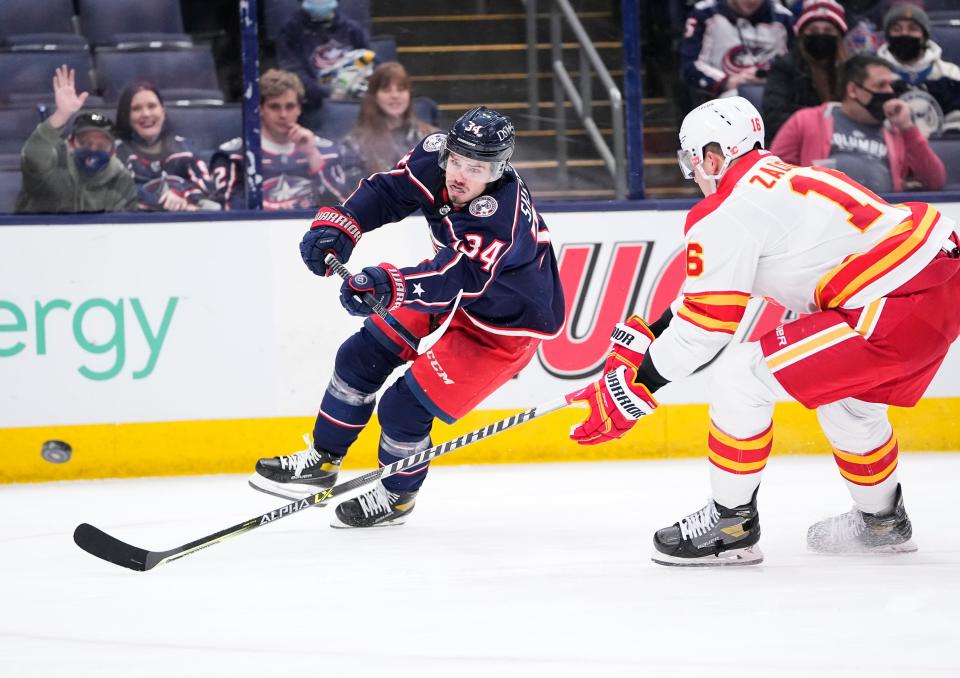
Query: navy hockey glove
x=385, y=282
x=331, y=231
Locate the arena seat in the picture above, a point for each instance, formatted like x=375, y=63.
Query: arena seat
x=753, y=93
x=427, y=110
x=948, y=150
x=337, y=118
x=10, y=182
x=385, y=47
x=28, y=75
x=16, y=124
x=25, y=20
x=206, y=127
x=179, y=74
x=133, y=24
x=948, y=37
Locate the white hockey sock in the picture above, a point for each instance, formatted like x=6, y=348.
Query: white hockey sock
x=732, y=489
x=875, y=498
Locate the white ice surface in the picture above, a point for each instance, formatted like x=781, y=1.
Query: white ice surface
x=533, y=570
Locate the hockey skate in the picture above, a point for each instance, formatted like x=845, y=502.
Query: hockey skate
x=377, y=508
x=856, y=532
x=297, y=475
x=714, y=535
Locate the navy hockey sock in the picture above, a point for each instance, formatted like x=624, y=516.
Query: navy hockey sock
x=406, y=425
x=362, y=367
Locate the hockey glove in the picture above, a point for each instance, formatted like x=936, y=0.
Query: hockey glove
x=616, y=402
x=331, y=231
x=631, y=339
x=385, y=282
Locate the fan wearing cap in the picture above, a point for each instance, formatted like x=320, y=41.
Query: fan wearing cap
x=807, y=75
x=934, y=83
x=77, y=174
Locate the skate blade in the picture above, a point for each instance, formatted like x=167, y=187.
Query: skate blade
x=338, y=524
x=284, y=490
x=751, y=555
x=908, y=546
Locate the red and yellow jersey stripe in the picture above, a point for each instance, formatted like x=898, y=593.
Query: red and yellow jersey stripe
x=859, y=270
x=714, y=311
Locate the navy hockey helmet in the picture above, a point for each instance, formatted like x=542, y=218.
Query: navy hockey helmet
x=481, y=134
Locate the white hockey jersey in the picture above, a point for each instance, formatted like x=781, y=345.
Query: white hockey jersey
x=810, y=238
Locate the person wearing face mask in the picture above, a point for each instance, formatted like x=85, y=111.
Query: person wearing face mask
x=870, y=135
x=78, y=174
x=934, y=83
x=387, y=126
x=169, y=176
x=807, y=75
x=312, y=41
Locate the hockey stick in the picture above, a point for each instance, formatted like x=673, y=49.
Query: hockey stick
x=100, y=544
x=419, y=344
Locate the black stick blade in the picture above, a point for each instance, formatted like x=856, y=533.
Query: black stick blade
x=98, y=543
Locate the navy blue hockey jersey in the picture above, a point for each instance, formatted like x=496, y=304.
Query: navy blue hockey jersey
x=497, y=249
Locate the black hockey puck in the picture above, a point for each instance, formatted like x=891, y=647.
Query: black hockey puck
x=56, y=451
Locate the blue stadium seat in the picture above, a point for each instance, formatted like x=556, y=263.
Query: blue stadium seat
x=940, y=5
x=427, y=110
x=337, y=118
x=358, y=10
x=206, y=127
x=752, y=93
x=10, y=182
x=948, y=37
x=28, y=75
x=133, y=24
x=26, y=17
x=275, y=15
x=180, y=74
x=948, y=150
x=385, y=46
x=16, y=124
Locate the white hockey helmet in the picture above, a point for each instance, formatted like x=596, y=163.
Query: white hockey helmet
x=732, y=122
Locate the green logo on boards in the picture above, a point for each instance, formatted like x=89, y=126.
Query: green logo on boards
x=106, y=313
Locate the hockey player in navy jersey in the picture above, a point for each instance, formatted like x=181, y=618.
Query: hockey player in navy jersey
x=492, y=245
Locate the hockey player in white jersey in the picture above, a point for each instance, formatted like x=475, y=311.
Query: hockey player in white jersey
x=876, y=286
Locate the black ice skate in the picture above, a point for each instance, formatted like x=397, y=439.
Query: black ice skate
x=714, y=535
x=856, y=532
x=377, y=508
x=297, y=475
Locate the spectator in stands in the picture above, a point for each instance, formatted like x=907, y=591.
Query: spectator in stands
x=934, y=93
x=79, y=174
x=807, y=75
x=300, y=169
x=864, y=18
x=387, y=126
x=867, y=135
x=728, y=43
x=168, y=174
x=315, y=43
